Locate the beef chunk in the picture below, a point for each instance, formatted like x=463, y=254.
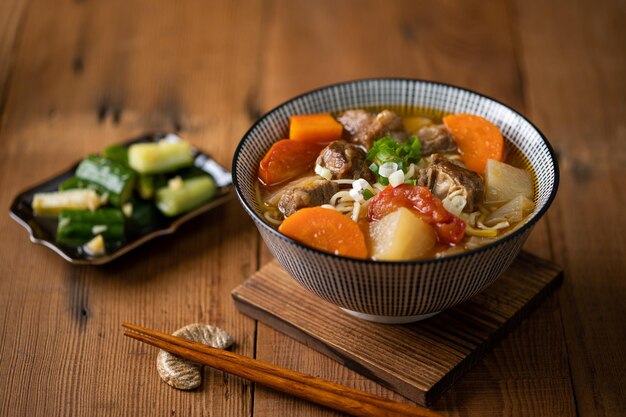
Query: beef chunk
x=445, y=178
x=315, y=193
x=356, y=121
x=364, y=127
x=435, y=139
x=345, y=160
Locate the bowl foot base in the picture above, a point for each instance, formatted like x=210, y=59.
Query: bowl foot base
x=390, y=319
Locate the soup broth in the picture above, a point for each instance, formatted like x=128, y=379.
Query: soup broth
x=417, y=184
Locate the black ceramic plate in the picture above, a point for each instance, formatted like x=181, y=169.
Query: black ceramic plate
x=43, y=230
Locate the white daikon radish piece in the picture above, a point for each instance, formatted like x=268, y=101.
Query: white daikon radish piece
x=513, y=211
x=401, y=235
x=503, y=182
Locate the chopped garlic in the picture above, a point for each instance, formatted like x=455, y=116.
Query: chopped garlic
x=323, y=172
x=127, y=209
x=396, y=178
x=104, y=199
x=170, y=138
x=175, y=183
x=95, y=247
x=99, y=228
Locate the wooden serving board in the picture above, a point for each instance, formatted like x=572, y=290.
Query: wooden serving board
x=419, y=360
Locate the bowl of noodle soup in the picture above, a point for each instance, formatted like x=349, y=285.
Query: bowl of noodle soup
x=395, y=291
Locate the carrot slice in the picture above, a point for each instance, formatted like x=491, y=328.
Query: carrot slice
x=326, y=230
x=319, y=128
x=477, y=138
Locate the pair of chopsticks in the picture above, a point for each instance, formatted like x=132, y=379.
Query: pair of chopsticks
x=316, y=390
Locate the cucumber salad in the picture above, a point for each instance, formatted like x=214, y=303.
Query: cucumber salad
x=124, y=191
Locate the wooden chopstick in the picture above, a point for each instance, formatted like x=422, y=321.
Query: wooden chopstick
x=316, y=390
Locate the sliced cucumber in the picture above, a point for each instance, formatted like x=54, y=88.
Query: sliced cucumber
x=160, y=157
x=115, y=178
x=186, y=196
x=77, y=227
x=117, y=153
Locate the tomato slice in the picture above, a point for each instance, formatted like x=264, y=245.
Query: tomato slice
x=287, y=159
x=449, y=228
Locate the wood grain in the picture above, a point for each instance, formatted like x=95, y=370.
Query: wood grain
x=577, y=94
x=420, y=40
x=11, y=21
x=107, y=71
x=78, y=75
x=419, y=361
x=335, y=396
x=339, y=41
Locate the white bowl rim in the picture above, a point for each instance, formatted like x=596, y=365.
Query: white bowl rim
x=472, y=252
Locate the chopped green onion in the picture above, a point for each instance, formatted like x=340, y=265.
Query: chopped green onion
x=387, y=150
x=367, y=194
x=411, y=181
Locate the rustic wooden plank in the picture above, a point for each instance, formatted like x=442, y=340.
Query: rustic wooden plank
x=520, y=375
x=576, y=93
x=443, y=41
x=11, y=19
x=86, y=75
x=313, y=44
x=420, y=360
x=92, y=73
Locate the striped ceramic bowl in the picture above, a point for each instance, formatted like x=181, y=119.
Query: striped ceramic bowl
x=386, y=291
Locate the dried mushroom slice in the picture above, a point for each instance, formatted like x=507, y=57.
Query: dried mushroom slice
x=181, y=373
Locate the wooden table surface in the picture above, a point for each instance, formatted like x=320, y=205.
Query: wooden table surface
x=76, y=76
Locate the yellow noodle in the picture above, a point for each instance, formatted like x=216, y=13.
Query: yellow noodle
x=269, y=218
